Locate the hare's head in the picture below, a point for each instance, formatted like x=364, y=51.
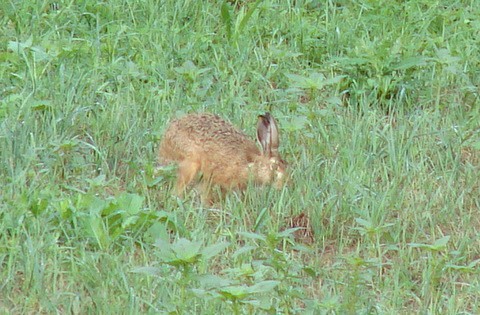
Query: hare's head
x=269, y=168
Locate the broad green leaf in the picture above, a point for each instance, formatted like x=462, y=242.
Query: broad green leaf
x=441, y=243
x=444, y=56
x=131, y=203
x=315, y=81
x=213, y=281
x=205, y=295
x=214, y=249
x=264, y=286
x=186, y=251
x=186, y=68
x=364, y=223
x=296, y=123
x=164, y=250
x=411, y=62
x=255, y=236
x=19, y=47
x=236, y=292
x=436, y=246
x=288, y=232
x=156, y=230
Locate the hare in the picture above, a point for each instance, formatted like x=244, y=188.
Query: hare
x=206, y=144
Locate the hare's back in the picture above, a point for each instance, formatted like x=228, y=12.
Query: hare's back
x=208, y=130
x=212, y=134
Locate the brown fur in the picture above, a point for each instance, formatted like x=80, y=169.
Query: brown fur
x=224, y=155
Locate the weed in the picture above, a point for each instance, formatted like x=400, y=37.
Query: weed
x=378, y=102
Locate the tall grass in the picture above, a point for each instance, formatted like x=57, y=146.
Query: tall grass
x=377, y=102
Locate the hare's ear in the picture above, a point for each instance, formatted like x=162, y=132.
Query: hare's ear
x=267, y=134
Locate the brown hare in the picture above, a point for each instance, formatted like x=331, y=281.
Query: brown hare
x=206, y=144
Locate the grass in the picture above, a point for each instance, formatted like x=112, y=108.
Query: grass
x=378, y=107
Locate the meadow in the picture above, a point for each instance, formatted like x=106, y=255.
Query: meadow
x=378, y=108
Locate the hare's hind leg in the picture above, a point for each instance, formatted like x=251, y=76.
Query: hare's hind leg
x=187, y=170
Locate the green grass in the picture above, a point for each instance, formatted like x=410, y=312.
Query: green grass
x=378, y=105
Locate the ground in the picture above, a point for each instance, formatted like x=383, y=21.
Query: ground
x=378, y=108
